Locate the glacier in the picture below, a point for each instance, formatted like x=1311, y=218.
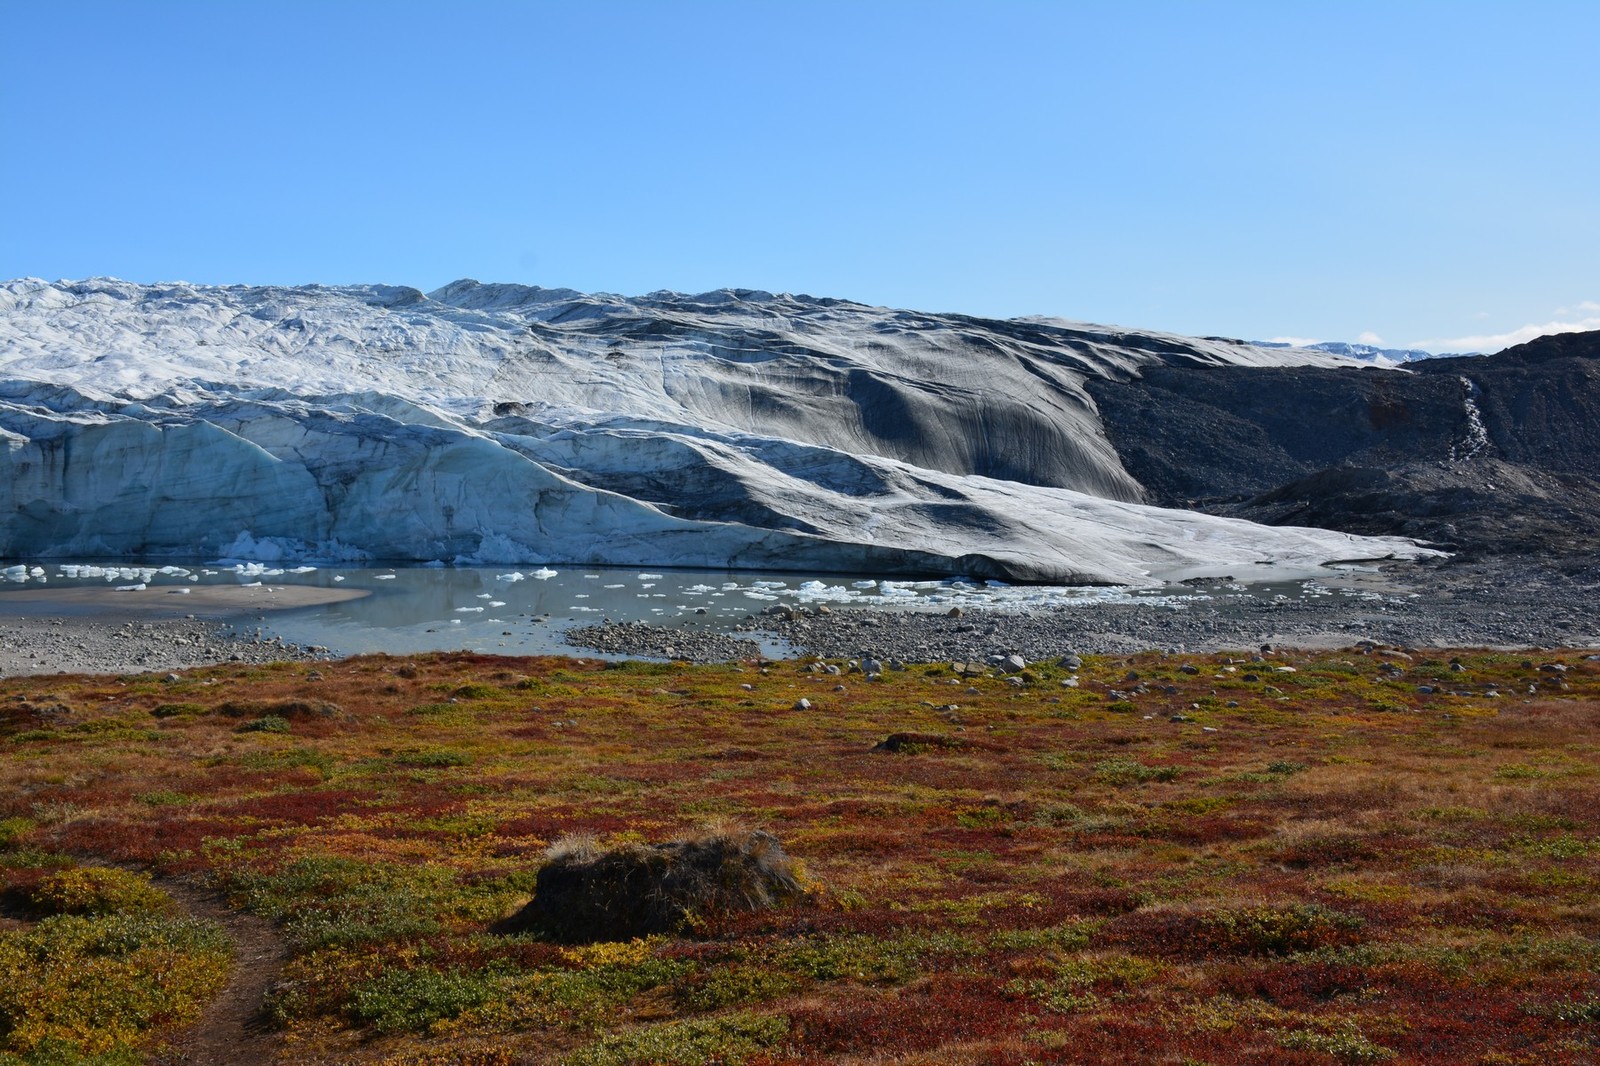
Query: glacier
x=509, y=424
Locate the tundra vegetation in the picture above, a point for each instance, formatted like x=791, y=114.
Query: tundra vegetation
x=1297, y=858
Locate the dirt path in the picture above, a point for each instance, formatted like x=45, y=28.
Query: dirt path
x=233, y=1031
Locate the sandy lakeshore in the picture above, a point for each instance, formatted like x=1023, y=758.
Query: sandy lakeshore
x=199, y=601
x=110, y=631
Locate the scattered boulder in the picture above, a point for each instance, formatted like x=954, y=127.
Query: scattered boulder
x=586, y=894
x=914, y=742
x=291, y=710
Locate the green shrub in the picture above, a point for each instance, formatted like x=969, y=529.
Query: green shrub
x=267, y=723
x=1345, y=1044
x=100, y=890
x=92, y=986
x=178, y=710
x=733, y=986
x=724, y=1041
x=1124, y=771
x=13, y=830
x=401, y=1001
x=861, y=957
x=430, y=758
x=1274, y=930
x=328, y=901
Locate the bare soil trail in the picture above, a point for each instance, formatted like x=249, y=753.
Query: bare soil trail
x=233, y=1030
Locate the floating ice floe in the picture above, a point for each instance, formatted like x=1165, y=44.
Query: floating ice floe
x=544, y=573
x=515, y=575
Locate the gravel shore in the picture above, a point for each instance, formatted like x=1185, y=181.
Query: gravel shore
x=1495, y=603
x=80, y=645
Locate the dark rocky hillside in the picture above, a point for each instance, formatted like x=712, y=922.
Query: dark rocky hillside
x=1485, y=454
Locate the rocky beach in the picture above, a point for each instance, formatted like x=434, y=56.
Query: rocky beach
x=1495, y=603
x=1498, y=603
x=98, y=631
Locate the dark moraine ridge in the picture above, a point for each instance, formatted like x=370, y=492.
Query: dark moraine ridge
x=1483, y=454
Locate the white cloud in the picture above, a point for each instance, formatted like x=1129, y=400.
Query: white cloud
x=1493, y=342
x=1370, y=337
x=1298, y=342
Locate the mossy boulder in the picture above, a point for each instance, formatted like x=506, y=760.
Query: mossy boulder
x=586, y=894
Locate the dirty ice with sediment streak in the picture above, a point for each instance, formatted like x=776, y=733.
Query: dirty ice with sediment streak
x=507, y=424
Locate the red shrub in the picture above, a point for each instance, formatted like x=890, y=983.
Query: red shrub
x=303, y=808
x=946, y=1010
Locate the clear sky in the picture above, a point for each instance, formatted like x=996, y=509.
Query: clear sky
x=1423, y=173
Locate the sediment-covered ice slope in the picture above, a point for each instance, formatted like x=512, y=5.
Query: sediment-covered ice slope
x=504, y=423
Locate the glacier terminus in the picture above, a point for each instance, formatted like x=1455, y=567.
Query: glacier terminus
x=506, y=424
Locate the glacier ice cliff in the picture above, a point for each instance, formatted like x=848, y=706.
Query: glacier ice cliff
x=512, y=424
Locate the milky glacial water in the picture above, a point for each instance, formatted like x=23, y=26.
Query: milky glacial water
x=525, y=611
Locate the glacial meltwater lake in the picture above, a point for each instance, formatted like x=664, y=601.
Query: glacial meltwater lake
x=524, y=610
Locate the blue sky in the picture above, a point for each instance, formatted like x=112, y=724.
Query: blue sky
x=1417, y=173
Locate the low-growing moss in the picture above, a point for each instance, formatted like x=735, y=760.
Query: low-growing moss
x=724, y=1041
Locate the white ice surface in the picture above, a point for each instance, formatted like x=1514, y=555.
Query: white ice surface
x=495, y=424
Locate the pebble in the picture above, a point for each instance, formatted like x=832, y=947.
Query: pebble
x=82, y=645
x=663, y=642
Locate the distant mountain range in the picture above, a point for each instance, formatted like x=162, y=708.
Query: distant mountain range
x=513, y=424
x=1367, y=353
